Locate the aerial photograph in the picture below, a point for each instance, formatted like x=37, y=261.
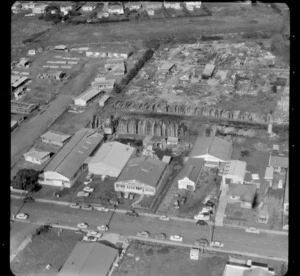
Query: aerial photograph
x=149, y=138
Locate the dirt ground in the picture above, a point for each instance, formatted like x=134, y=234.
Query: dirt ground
x=167, y=261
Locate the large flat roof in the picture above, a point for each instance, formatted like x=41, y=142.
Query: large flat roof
x=89, y=259
x=113, y=154
x=69, y=159
x=235, y=167
x=144, y=169
x=214, y=146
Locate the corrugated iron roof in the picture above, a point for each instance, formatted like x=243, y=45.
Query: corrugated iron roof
x=88, y=94
x=55, y=136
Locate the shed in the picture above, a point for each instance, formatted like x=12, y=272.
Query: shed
x=172, y=141
x=37, y=157
x=166, y=159
x=103, y=100
x=88, y=96
x=61, y=48
x=208, y=70
x=55, y=138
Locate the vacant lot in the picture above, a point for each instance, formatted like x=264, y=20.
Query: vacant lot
x=47, y=248
x=167, y=261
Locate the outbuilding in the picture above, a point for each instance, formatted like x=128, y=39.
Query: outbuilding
x=234, y=172
x=55, y=138
x=208, y=71
x=88, y=96
x=36, y=157
x=103, y=100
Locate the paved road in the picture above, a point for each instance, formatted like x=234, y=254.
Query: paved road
x=265, y=244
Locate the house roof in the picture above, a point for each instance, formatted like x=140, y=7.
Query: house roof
x=70, y=158
x=55, y=136
x=36, y=154
x=192, y=169
x=279, y=161
x=88, y=94
x=144, y=169
x=214, y=146
x=244, y=191
x=235, y=167
x=166, y=159
x=113, y=154
x=17, y=80
x=209, y=68
x=269, y=173
x=89, y=259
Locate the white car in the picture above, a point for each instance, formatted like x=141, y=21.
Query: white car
x=22, y=216
x=88, y=189
x=201, y=216
x=103, y=228
x=166, y=218
x=74, y=205
x=101, y=209
x=82, y=194
x=82, y=225
x=176, y=238
x=87, y=181
x=252, y=230
x=217, y=244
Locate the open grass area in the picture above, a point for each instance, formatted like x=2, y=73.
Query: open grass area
x=167, y=261
x=47, y=248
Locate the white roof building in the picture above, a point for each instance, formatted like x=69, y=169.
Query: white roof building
x=55, y=138
x=87, y=96
x=37, y=157
x=234, y=172
x=110, y=159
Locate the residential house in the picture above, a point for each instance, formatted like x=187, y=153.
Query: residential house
x=234, y=172
x=279, y=160
x=36, y=157
x=116, y=8
x=167, y=67
x=55, y=138
x=133, y=6
x=236, y=267
x=152, y=5
x=192, y=5
x=245, y=194
x=172, y=141
x=141, y=175
x=17, y=81
x=66, y=8
x=213, y=150
x=88, y=7
x=190, y=174
x=32, y=52
x=173, y=5
x=102, y=14
x=111, y=159
x=39, y=9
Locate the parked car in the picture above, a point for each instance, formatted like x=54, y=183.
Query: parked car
x=132, y=213
x=86, y=182
x=217, y=244
x=82, y=225
x=90, y=239
x=176, y=238
x=252, y=230
x=82, y=194
x=101, y=209
x=75, y=206
x=166, y=218
x=201, y=216
x=22, y=216
x=103, y=228
x=202, y=223
x=88, y=189
x=86, y=207
x=161, y=236
x=28, y=199
x=201, y=242
x=143, y=234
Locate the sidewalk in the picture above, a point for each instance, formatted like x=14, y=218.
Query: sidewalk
x=20, y=248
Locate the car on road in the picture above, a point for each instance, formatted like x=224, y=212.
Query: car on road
x=217, y=244
x=252, y=230
x=202, y=216
x=82, y=225
x=28, y=199
x=88, y=189
x=161, y=236
x=132, y=213
x=75, y=206
x=101, y=209
x=201, y=242
x=166, y=218
x=82, y=194
x=176, y=238
x=90, y=238
x=86, y=182
x=143, y=234
x=22, y=216
x=87, y=207
x=103, y=228
x=201, y=223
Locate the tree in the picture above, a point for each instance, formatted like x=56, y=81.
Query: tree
x=26, y=179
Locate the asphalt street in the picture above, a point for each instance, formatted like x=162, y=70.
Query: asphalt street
x=266, y=244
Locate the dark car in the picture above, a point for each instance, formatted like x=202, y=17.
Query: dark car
x=132, y=213
x=28, y=199
x=201, y=223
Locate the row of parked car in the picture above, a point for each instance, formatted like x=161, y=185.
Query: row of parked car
x=209, y=207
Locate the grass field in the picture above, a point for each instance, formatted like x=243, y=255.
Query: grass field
x=47, y=248
x=167, y=261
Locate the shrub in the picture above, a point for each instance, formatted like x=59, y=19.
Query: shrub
x=149, y=252
x=163, y=250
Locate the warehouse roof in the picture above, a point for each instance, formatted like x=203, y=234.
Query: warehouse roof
x=88, y=94
x=245, y=192
x=55, y=136
x=113, y=154
x=36, y=154
x=89, y=259
x=144, y=169
x=69, y=159
x=235, y=167
x=214, y=146
x=192, y=169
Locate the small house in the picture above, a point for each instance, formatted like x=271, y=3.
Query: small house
x=19, y=93
x=152, y=5
x=166, y=159
x=194, y=254
x=269, y=175
x=37, y=157
x=133, y=6
x=32, y=52
x=191, y=5
x=65, y=8
x=55, y=138
x=278, y=161
x=172, y=5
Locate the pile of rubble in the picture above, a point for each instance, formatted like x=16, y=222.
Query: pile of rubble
x=192, y=111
